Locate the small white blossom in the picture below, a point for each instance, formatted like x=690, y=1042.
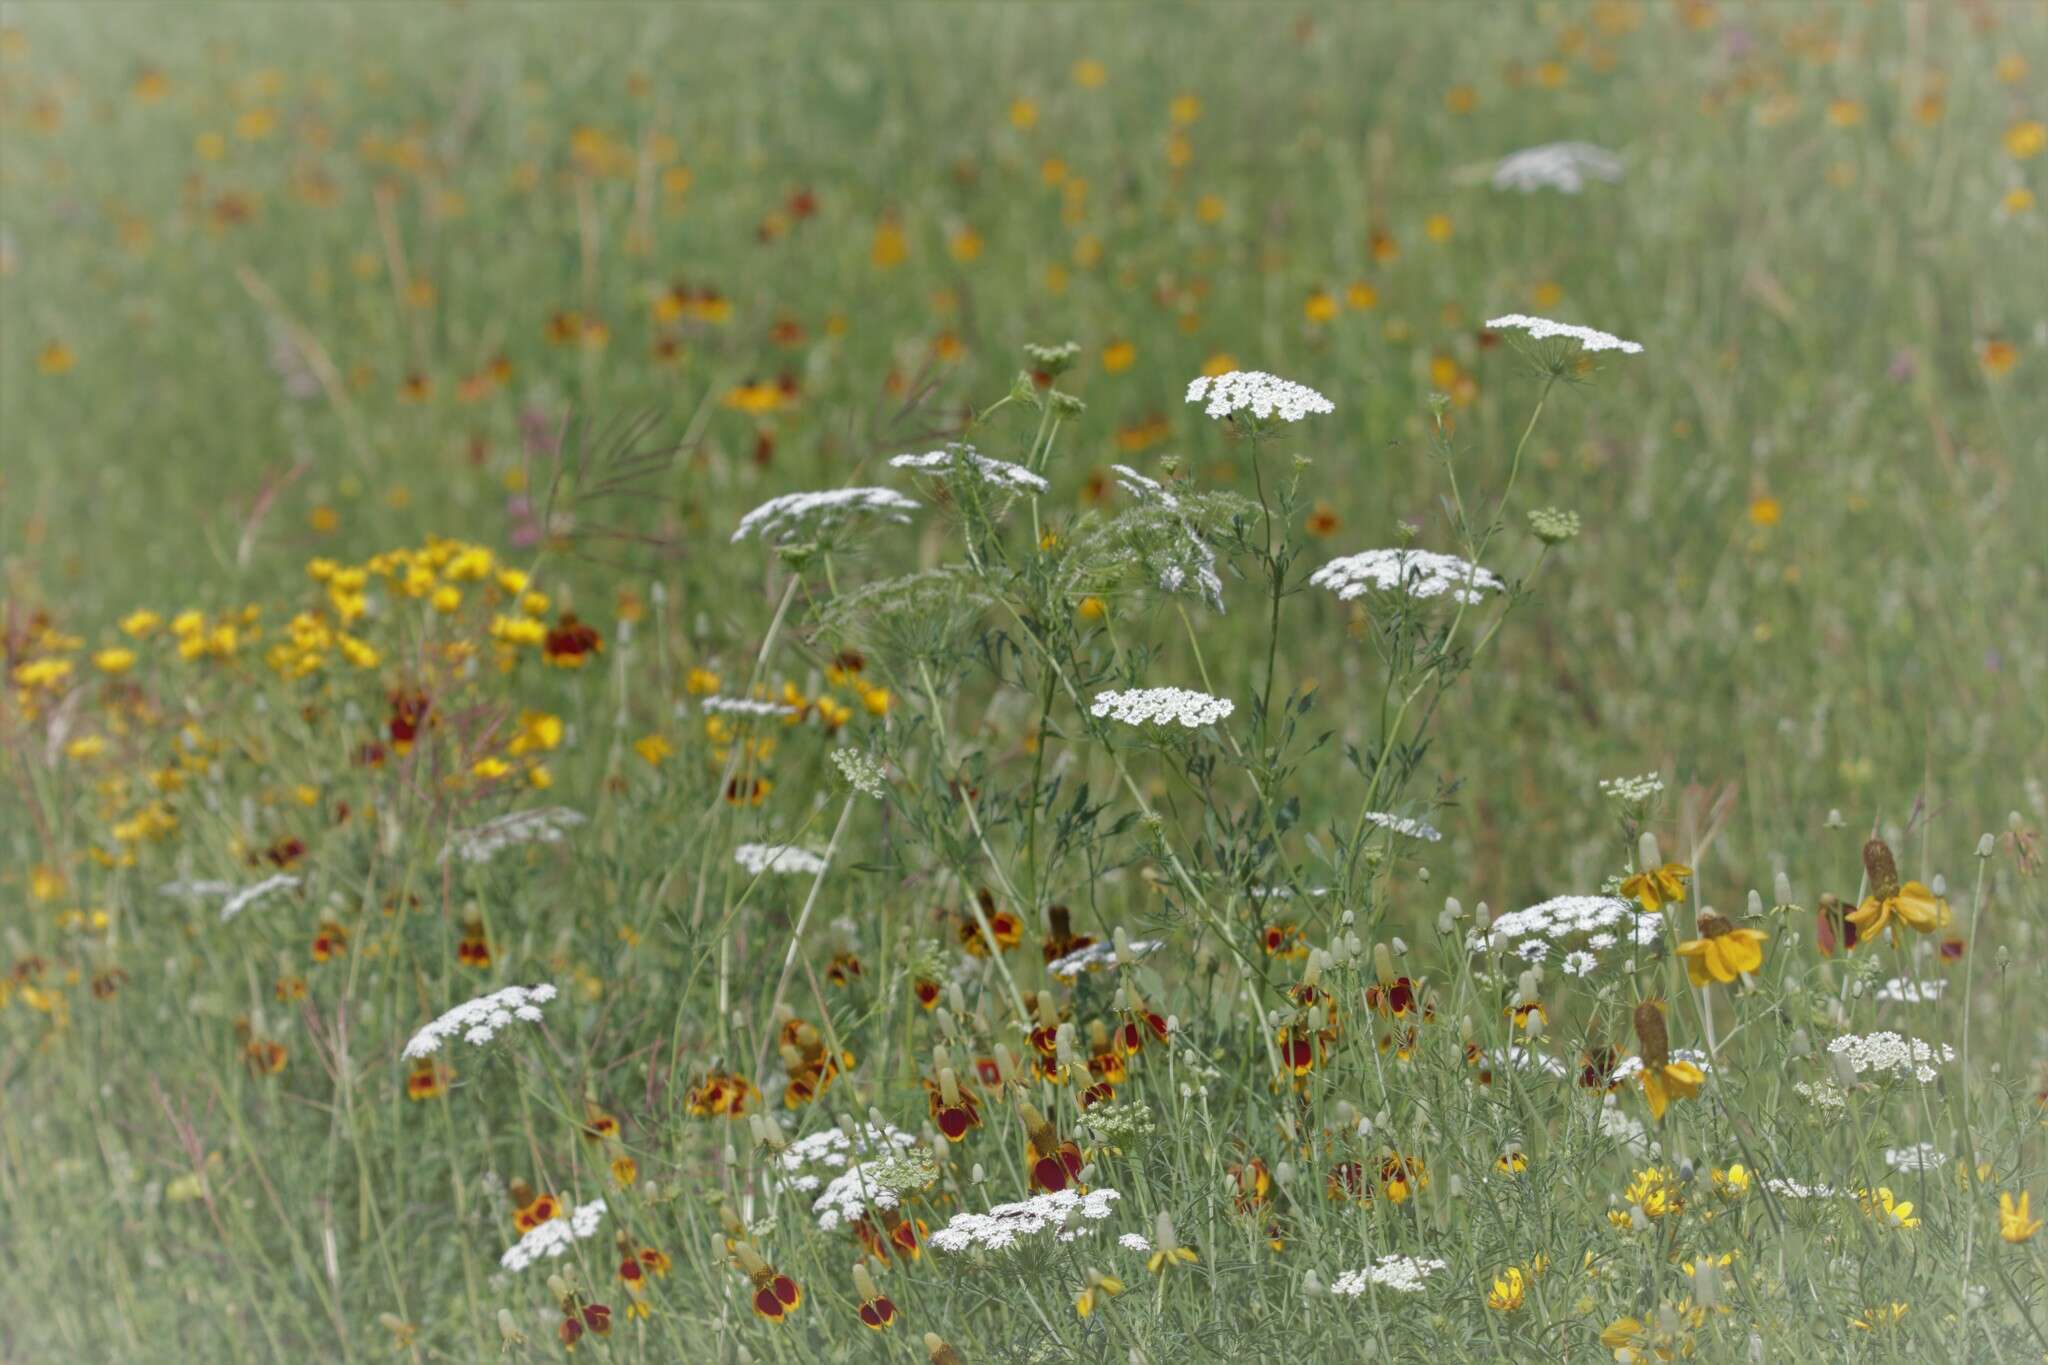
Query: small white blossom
x=1579, y=963
x=1543, y=328
x=1096, y=956
x=1262, y=395
x=478, y=1020
x=1418, y=573
x=745, y=706
x=1889, y=1053
x=547, y=825
x=1162, y=706
x=1605, y=918
x=848, y=1197
x=785, y=858
x=1901, y=991
x=1135, y=1241
x=1002, y=1226
x=1628, y=1068
x=829, y=1149
x=1561, y=166
x=237, y=901
x=1793, y=1189
x=784, y=519
x=1402, y=825
x=1402, y=1274
x=957, y=456
x=555, y=1236
x=1922, y=1156
x=1632, y=791
x=862, y=773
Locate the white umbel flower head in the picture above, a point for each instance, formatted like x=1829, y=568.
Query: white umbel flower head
x=784, y=858
x=958, y=456
x=1162, y=706
x=1418, y=573
x=1542, y=329
x=1402, y=1274
x=745, y=706
x=241, y=900
x=554, y=1237
x=1561, y=166
x=478, y=1021
x=1003, y=1226
x=793, y=515
x=1407, y=828
x=547, y=825
x=1096, y=956
x=1262, y=395
x=1888, y=1053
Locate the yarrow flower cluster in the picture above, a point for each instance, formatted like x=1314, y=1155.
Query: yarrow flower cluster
x=1002, y=1226
x=1096, y=956
x=1402, y=1274
x=1262, y=395
x=782, y=520
x=1561, y=166
x=1889, y=1053
x=1632, y=791
x=1608, y=919
x=833, y=1150
x=1922, y=1156
x=1418, y=573
x=478, y=1021
x=959, y=456
x=784, y=858
x=555, y=1236
x=1542, y=329
x=547, y=825
x=745, y=706
x=1402, y=825
x=1162, y=706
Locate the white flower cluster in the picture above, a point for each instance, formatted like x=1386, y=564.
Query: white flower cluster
x=547, y=826
x=1402, y=825
x=745, y=706
x=1889, y=1052
x=1543, y=329
x=238, y=899
x=1792, y=1189
x=1162, y=706
x=1523, y=1059
x=1418, y=573
x=555, y=1236
x=1626, y=1129
x=1900, y=991
x=1096, y=956
x=196, y=890
x=1135, y=1241
x=1608, y=919
x=1632, y=791
x=862, y=773
x=831, y=1149
x=957, y=455
x=1001, y=1227
x=847, y=1197
x=1402, y=1274
x=1822, y=1095
x=781, y=520
x=1561, y=166
x=787, y=858
x=1262, y=395
x=1144, y=488
x=479, y=1020
x=1921, y=1156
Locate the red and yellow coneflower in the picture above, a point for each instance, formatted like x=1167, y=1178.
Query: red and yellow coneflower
x=1890, y=904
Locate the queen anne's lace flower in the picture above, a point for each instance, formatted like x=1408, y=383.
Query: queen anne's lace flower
x=1262, y=395
x=1002, y=1226
x=547, y=825
x=1418, y=573
x=1402, y=825
x=1096, y=956
x=957, y=456
x=1793, y=1189
x=1561, y=166
x=785, y=858
x=1543, y=329
x=746, y=706
x=555, y=1236
x=1922, y=1156
x=848, y=1197
x=478, y=1020
x=1900, y=991
x=1889, y=1053
x=1402, y=1274
x=1192, y=562
x=1563, y=916
x=781, y=520
x=1162, y=706
x=831, y=1150
x=1628, y=1068
x=237, y=901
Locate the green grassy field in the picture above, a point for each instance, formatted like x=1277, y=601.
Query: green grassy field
x=382, y=389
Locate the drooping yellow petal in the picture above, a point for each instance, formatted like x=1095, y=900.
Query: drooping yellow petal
x=1743, y=950
x=1653, y=1091
x=1919, y=907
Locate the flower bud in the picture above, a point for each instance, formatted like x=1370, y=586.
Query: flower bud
x=1647, y=852
x=1985, y=845
x=1781, y=889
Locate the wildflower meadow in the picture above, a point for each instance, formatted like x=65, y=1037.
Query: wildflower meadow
x=1024, y=683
